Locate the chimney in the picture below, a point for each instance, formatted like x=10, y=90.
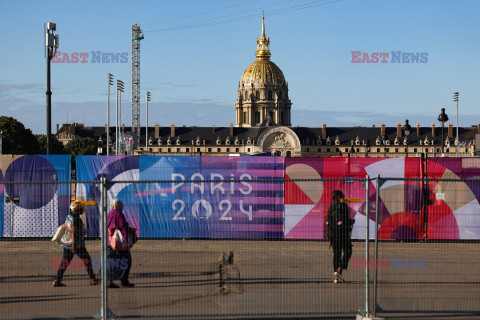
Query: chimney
x=213, y=128
x=399, y=130
x=106, y=128
x=324, y=131
x=172, y=130
x=373, y=126
x=57, y=127
x=433, y=130
x=479, y=128
x=382, y=129
x=231, y=129
x=157, y=131
x=418, y=129
x=450, y=130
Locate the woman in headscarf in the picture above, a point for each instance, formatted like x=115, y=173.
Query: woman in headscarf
x=120, y=261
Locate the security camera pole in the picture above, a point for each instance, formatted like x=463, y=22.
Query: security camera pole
x=51, y=46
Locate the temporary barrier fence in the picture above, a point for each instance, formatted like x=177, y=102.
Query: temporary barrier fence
x=180, y=275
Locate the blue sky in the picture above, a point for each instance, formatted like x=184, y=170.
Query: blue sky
x=193, y=72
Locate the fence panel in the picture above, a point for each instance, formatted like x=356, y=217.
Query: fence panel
x=432, y=268
x=30, y=262
x=221, y=261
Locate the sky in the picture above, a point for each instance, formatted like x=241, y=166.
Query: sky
x=194, y=54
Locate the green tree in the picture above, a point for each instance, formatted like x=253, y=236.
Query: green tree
x=16, y=139
x=56, y=146
x=82, y=146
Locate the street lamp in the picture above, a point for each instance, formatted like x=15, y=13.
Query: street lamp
x=385, y=139
x=407, y=129
x=51, y=46
x=110, y=83
x=1, y=142
x=146, y=123
x=455, y=99
x=443, y=118
x=120, y=89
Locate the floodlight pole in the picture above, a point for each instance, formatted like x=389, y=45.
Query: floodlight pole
x=110, y=82
x=146, y=123
x=455, y=98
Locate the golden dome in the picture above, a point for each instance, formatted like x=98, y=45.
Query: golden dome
x=263, y=72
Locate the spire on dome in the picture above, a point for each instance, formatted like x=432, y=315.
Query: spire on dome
x=263, y=44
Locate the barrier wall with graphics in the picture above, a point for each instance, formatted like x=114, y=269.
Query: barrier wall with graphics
x=33, y=209
x=452, y=213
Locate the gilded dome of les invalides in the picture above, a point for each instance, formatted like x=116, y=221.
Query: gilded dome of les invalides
x=263, y=71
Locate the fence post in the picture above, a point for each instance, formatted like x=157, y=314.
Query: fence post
x=103, y=237
x=367, y=248
x=377, y=200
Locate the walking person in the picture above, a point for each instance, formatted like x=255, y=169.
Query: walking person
x=339, y=227
x=73, y=243
x=120, y=261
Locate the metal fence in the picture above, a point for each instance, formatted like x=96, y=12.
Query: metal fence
x=227, y=253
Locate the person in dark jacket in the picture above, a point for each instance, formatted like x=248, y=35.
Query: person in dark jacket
x=339, y=227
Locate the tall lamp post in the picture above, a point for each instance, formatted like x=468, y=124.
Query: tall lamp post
x=120, y=89
x=1, y=142
x=443, y=118
x=146, y=123
x=51, y=46
x=455, y=99
x=110, y=83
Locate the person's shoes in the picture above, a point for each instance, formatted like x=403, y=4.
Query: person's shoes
x=112, y=285
x=57, y=283
x=94, y=282
x=335, y=281
x=128, y=284
x=339, y=277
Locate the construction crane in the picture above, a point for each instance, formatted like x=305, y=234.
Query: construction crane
x=137, y=36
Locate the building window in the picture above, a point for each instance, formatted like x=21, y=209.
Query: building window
x=396, y=150
x=257, y=94
x=209, y=149
x=289, y=153
x=308, y=149
x=150, y=149
x=257, y=117
x=198, y=149
x=328, y=149
x=178, y=149
x=346, y=149
x=248, y=149
x=387, y=150
x=378, y=149
x=246, y=95
x=269, y=95
x=168, y=150
x=218, y=149
x=358, y=149
x=228, y=149
x=414, y=149
x=319, y=149
x=237, y=149
x=188, y=150
x=438, y=150
x=245, y=116
x=337, y=150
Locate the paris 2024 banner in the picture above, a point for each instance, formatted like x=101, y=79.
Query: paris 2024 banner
x=449, y=210
x=196, y=196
